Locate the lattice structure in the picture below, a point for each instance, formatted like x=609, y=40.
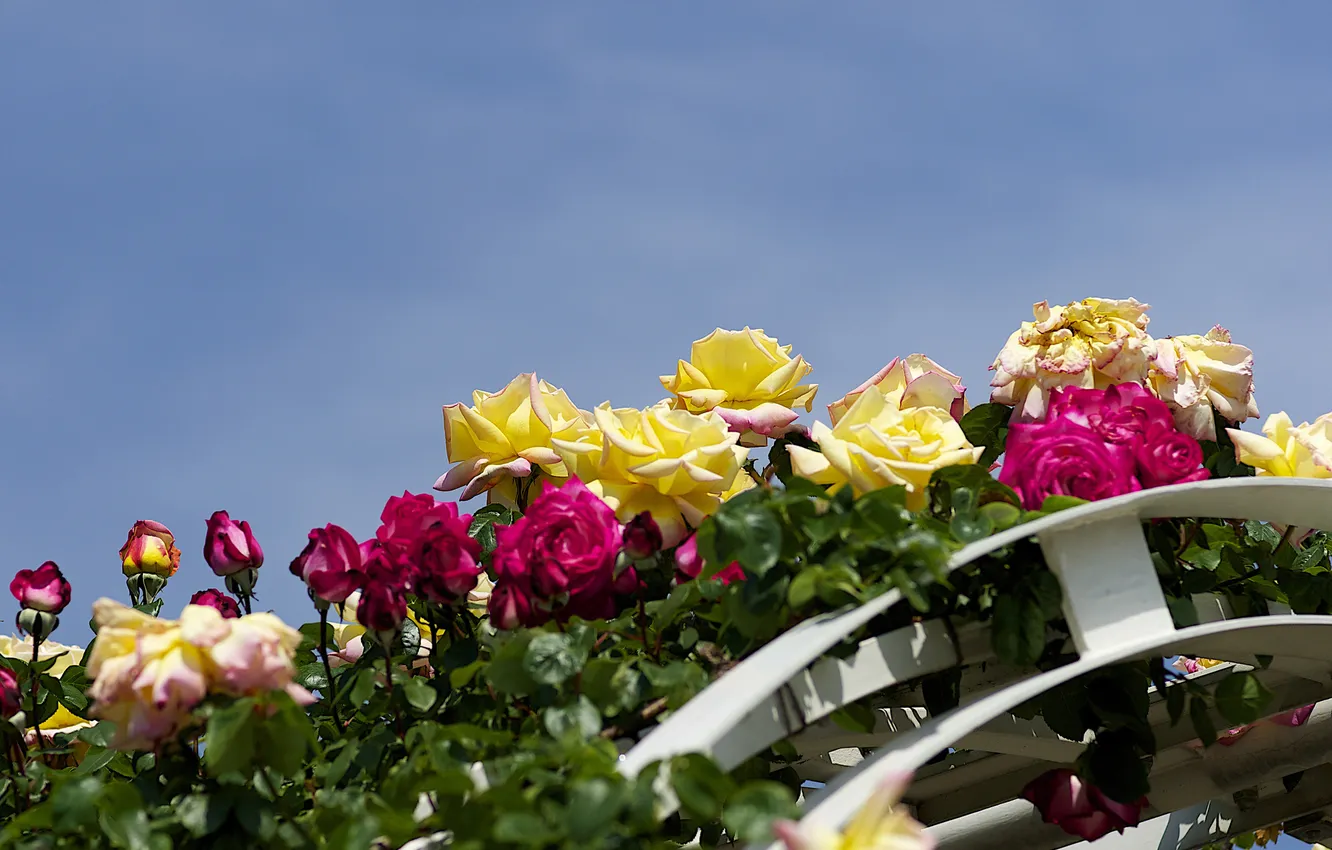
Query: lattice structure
x=1116, y=612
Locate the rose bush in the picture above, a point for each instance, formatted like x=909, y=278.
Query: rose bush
x=471, y=679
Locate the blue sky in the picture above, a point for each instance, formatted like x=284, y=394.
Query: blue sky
x=249, y=249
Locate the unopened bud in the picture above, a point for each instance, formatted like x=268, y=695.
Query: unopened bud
x=242, y=582
x=39, y=624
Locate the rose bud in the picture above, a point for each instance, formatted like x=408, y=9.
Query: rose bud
x=382, y=608
x=213, y=598
x=642, y=537
x=43, y=589
x=149, y=548
x=11, y=698
x=231, y=547
x=1078, y=807
x=330, y=564
x=510, y=607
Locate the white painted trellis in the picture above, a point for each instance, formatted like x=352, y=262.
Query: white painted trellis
x=1116, y=612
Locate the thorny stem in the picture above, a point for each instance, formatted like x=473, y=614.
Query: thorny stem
x=328, y=668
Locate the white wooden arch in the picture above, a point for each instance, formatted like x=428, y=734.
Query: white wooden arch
x=1114, y=608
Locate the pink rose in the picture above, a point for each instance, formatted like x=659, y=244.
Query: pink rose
x=1124, y=414
x=560, y=555
x=445, y=558
x=1170, y=458
x=218, y=601
x=510, y=605
x=1063, y=458
x=43, y=589
x=11, y=698
x=330, y=564
x=405, y=517
x=689, y=565
x=1078, y=808
x=230, y=547
x=383, y=604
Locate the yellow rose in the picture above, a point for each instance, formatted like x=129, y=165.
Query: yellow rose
x=881, y=824
x=914, y=381
x=1299, y=451
x=674, y=464
x=506, y=434
x=1196, y=375
x=1093, y=344
x=747, y=378
x=876, y=444
x=63, y=720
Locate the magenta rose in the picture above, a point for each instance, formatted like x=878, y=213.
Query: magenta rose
x=445, y=557
x=510, y=606
x=1170, y=458
x=689, y=564
x=330, y=564
x=213, y=598
x=1124, y=414
x=383, y=603
x=405, y=517
x=561, y=554
x=1077, y=807
x=11, y=698
x=1063, y=458
x=230, y=547
x=43, y=589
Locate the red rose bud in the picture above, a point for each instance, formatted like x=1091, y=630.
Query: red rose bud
x=213, y=598
x=230, y=547
x=382, y=608
x=689, y=564
x=43, y=589
x=330, y=564
x=11, y=698
x=149, y=548
x=642, y=537
x=1079, y=808
x=509, y=607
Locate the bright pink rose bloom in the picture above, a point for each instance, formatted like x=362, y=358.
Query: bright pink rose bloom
x=446, y=558
x=1078, y=808
x=405, y=517
x=1170, y=458
x=43, y=589
x=1063, y=458
x=1124, y=414
x=11, y=698
x=213, y=598
x=330, y=564
x=230, y=546
x=383, y=605
x=642, y=537
x=566, y=544
x=689, y=565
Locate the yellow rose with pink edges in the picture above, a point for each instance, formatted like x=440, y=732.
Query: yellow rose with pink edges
x=1199, y=375
x=912, y=381
x=747, y=378
x=1287, y=450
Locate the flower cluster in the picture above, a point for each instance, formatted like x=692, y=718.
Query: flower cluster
x=1094, y=444
x=1098, y=342
x=149, y=674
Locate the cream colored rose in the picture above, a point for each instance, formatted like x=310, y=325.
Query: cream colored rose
x=63, y=720
x=1093, y=344
x=876, y=444
x=674, y=464
x=1196, y=375
x=1287, y=450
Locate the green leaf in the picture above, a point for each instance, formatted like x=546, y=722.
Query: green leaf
x=420, y=695
x=1054, y=504
x=74, y=802
x=551, y=658
x=96, y=759
x=804, y=588
x=1175, y=698
x=579, y=718
x=122, y=818
x=986, y=425
x=855, y=717
x=751, y=811
x=700, y=786
x=520, y=828
x=362, y=688
x=1312, y=555
x=1113, y=764
x=231, y=738
x=202, y=814
x=593, y=805
x=746, y=532
x=1202, y=721
x=1001, y=514
x=1018, y=630
x=968, y=528
x=1044, y=589
x=507, y=671
x=311, y=677
x=1241, y=698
